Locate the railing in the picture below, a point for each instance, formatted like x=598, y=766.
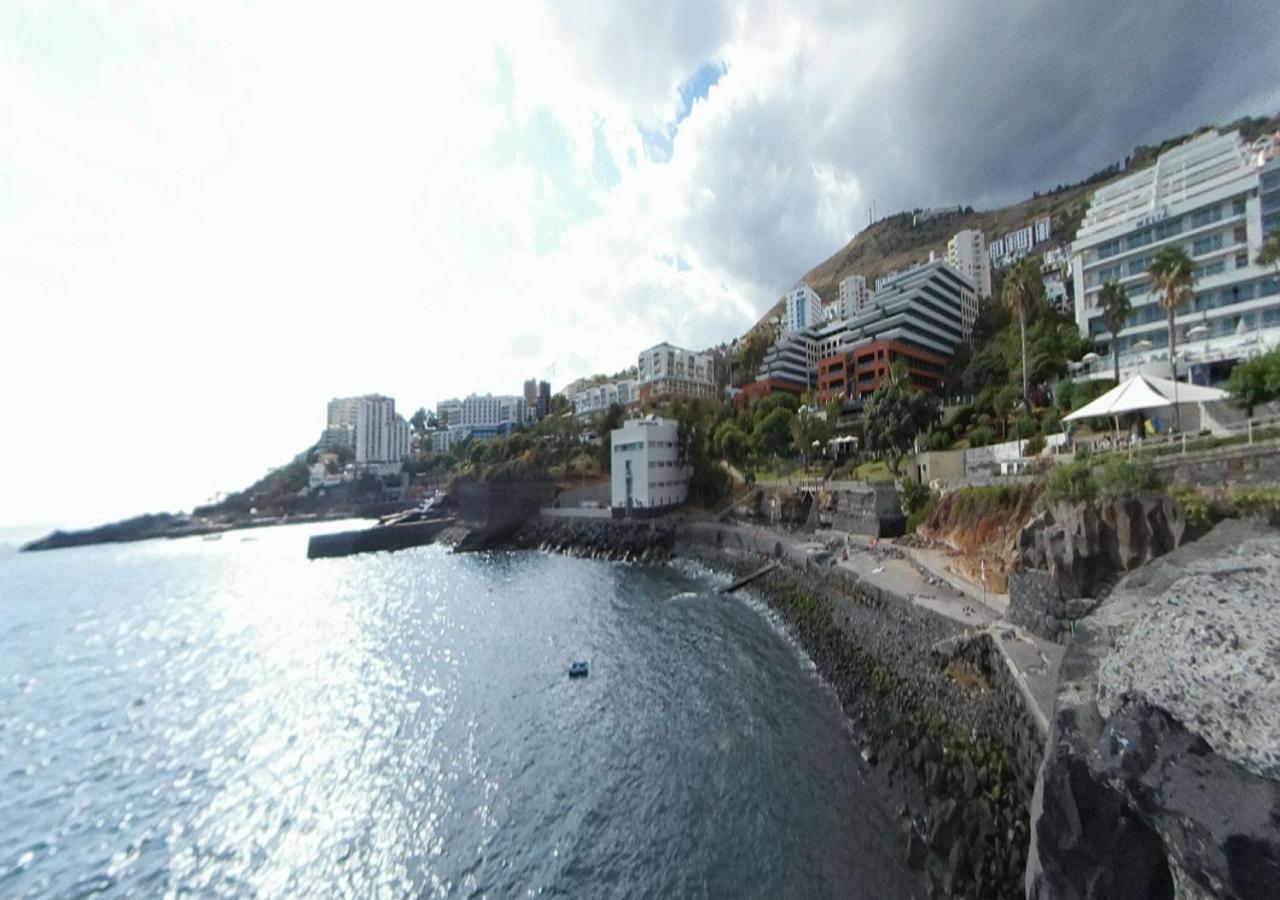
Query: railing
x=1241, y=434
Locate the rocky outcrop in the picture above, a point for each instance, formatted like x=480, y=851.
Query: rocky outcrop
x=596, y=538
x=1163, y=774
x=1070, y=553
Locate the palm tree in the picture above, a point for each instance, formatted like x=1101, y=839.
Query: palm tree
x=1023, y=288
x=1173, y=282
x=1113, y=299
x=1269, y=255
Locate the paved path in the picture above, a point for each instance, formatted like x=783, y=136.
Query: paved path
x=938, y=564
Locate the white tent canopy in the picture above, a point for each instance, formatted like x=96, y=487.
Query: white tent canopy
x=1144, y=392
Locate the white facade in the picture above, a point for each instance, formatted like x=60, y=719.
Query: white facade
x=342, y=412
x=599, y=398
x=967, y=254
x=853, y=295
x=646, y=471
x=489, y=411
x=804, y=309
x=669, y=371
x=381, y=435
x=1203, y=196
x=1005, y=251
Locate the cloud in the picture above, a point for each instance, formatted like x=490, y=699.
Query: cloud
x=213, y=217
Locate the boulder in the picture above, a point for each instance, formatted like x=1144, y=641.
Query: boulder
x=1162, y=776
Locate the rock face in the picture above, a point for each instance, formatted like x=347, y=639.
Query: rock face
x=1069, y=553
x=1162, y=777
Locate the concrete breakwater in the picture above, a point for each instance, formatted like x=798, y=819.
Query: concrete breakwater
x=948, y=731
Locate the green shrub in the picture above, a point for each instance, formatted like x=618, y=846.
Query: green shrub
x=921, y=515
x=1120, y=478
x=1249, y=501
x=1199, y=515
x=970, y=504
x=939, y=439
x=1024, y=427
x=913, y=495
x=1073, y=481
x=981, y=436
x=1035, y=446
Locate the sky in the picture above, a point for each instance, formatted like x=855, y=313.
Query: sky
x=216, y=216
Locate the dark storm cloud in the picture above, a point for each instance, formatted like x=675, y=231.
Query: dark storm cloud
x=974, y=103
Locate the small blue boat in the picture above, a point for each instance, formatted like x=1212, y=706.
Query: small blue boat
x=578, y=669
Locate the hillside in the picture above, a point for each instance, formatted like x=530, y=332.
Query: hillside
x=894, y=242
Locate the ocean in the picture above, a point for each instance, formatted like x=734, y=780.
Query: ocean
x=225, y=718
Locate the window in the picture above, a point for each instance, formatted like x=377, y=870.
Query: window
x=1237, y=206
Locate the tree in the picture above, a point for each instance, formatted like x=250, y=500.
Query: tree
x=1023, y=289
x=1173, y=282
x=605, y=422
x=730, y=442
x=808, y=427
x=895, y=414
x=1269, y=255
x=1113, y=300
x=419, y=420
x=772, y=434
x=1256, y=381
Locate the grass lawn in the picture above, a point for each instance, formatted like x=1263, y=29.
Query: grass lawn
x=875, y=470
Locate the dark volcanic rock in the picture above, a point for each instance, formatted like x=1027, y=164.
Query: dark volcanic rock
x=1161, y=779
x=1074, y=551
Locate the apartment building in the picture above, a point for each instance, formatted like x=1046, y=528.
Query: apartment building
x=967, y=254
x=854, y=294
x=804, y=309
x=667, y=371
x=1203, y=196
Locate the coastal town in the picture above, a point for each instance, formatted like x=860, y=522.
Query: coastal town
x=1101, y=310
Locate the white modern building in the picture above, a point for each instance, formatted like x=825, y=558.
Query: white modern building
x=1005, y=251
x=967, y=254
x=487, y=415
x=598, y=398
x=670, y=371
x=382, y=436
x=647, y=475
x=1203, y=196
x=854, y=294
x=804, y=309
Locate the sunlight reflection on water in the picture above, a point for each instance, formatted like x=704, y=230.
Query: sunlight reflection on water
x=227, y=719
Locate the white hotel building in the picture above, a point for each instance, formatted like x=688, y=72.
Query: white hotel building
x=1203, y=196
x=665, y=371
x=646, y=472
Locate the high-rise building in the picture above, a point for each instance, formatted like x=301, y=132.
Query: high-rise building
x=853, y=295
x=531, y=393
x=670, y=371
x=803, y=309
x=967, y=254
x=381, y=435
x=544, y=399
x=342, y=411
x=1202, y=196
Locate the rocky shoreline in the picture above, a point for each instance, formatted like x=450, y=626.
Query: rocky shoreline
x=946, y=731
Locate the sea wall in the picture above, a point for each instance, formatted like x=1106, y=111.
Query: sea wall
x=949, y=731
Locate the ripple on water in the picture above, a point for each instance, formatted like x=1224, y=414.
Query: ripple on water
x=227, y=719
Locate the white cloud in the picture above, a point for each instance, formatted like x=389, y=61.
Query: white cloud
x=213, y=217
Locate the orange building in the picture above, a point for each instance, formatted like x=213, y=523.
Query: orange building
x=855, y=373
